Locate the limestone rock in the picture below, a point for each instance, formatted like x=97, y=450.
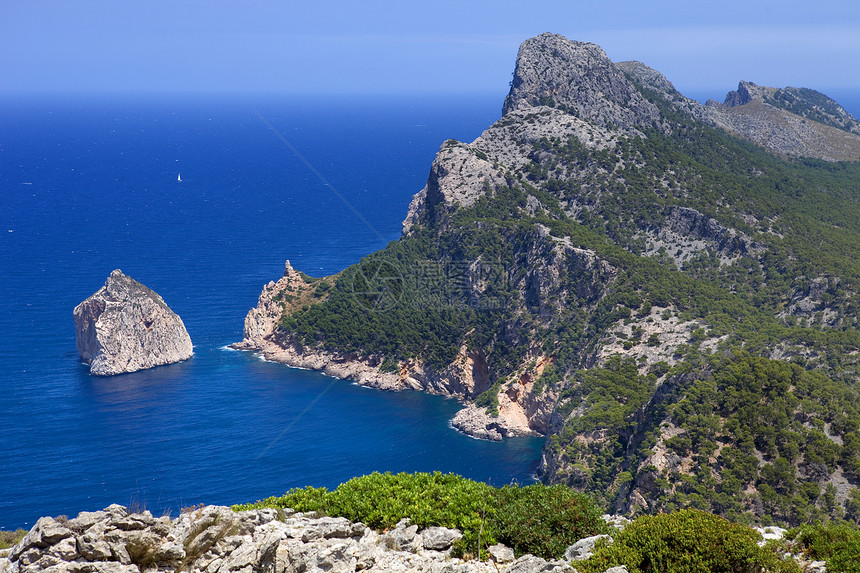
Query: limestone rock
x=531, y=564
x=501, y=553
x=215, y=539
x=619, y=522
x=125, y=327
x=439, y=538
x=770, y=533
x=404, y=537
x=552, y=70
x=475, y=422
x=260, y=322
x=789, y=121
x=584, y=548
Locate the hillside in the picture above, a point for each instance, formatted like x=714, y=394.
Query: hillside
x=669, y=298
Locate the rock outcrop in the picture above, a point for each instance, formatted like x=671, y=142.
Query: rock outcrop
x=125, y=327
x=260, y=322
x=215, y=539
x=686, y=232
x=580, y=78
x=789, y=121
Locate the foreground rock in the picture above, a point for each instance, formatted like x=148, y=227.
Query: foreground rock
x=216, y=539
x=125, y=327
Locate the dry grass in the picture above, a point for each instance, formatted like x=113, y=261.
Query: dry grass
x=10, y=538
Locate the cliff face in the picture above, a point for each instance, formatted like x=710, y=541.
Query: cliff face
x=588, y=269
x=125, y=327
x=580, y=78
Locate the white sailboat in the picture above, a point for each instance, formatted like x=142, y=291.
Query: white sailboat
x=179, y=177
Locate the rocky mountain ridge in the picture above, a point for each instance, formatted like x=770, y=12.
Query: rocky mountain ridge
x=596, y=262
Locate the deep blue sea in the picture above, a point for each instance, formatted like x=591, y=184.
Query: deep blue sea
x=88, y=185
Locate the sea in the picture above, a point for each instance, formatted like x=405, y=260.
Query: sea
x=89, y=184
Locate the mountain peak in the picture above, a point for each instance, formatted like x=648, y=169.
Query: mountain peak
x=789, y=121
x=579, y=78
x=747, y=92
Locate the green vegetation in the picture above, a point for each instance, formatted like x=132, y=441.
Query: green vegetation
x=779, y=274
x=754, y=408
x=545, y=520
x=732, y=413
x=537, y=519
x=837, y=544
x=608, y=398
x=489, y=399
x=688, y=541
x=812, y=104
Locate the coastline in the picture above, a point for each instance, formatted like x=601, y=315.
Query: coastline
x=470, y=420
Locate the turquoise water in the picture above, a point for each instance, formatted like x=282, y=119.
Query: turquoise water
x=90, y=185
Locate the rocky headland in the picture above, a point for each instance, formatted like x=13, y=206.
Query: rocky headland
x=562, y=90
x=592, y=261
x=126, y=326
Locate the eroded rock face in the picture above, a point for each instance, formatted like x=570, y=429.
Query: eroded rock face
x=260, y=322
x=125, y=327
x=552, y=70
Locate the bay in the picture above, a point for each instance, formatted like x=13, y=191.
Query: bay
x=90, y=184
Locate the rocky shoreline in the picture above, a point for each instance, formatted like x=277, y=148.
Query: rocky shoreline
x=463, y=379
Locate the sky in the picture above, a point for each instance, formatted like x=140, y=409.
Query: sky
x=399, y=46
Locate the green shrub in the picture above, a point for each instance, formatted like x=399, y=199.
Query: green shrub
x=381, y=500
x=299, y=499
x=688, y=541
x=837, y=544
x=545, y=520
x=537, y=519
x=489, y=399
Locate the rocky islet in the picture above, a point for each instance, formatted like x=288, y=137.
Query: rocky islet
x=126, y=326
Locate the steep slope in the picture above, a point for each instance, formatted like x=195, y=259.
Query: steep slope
x=795, y=122
x=600, y=263
x=790, y=121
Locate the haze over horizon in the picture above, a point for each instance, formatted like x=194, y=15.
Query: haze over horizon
x=380, y=46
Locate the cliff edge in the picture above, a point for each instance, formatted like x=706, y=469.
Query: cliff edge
x=125, y=327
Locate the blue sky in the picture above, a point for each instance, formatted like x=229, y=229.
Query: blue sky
x=385, y=46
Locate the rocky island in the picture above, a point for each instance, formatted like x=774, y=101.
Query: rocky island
x=126, y=327
x=666, y=290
